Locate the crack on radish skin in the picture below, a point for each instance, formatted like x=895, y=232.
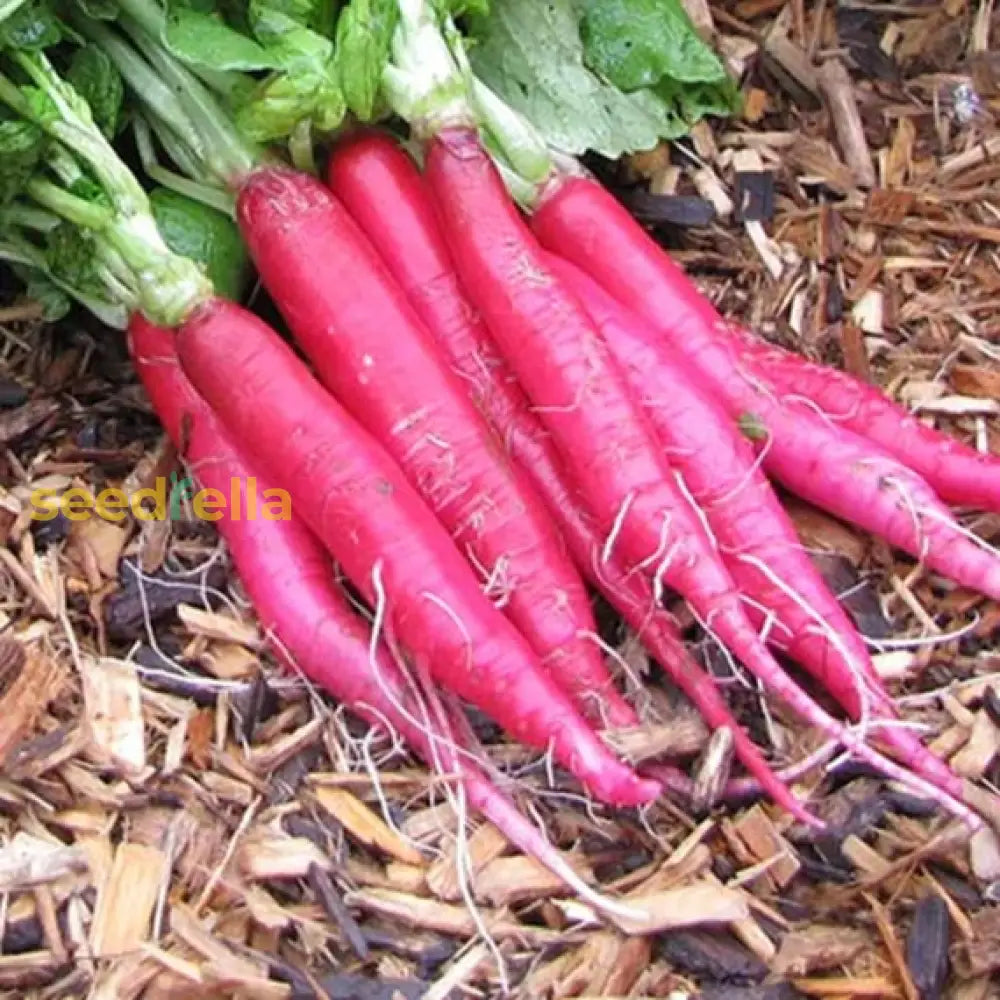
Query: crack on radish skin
x=524, y=270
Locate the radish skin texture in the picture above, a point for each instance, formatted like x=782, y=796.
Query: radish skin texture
x=360, y=505
x=832, y=468
x=375, y=355
x=289, y=578
x=960, y=475
x=381, y=188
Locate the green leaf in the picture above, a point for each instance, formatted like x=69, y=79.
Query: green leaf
x=95, y=78
x=612, y=76
x=532, y=55
x=638, y=43
x=364, y=38
x=456, y=8
x=71, y=257
x=206, y=236
x=282, y=101
x=33, y=26
x=200, y=36
x=21, y=147
x=652, y=44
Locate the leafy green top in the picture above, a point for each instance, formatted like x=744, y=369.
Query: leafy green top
x=612, y=76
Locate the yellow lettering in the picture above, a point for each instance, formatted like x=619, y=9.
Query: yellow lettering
x=208, y=504
x=283, y=502
x=77, y=504
x=158, y=494
x=112, y=504
x=44, y=506
x=252, y=498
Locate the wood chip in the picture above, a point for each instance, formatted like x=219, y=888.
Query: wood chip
x=685, y=906
x=765, y=843
x=127, y=899
x=27, y=861
x=486, y=844
x=818, y=948
x=114, y=723
x=367, y=827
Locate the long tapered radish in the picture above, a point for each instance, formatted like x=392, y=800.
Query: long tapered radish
x=756, y=536
x=388, y=542
x=833, y=468
x=960, y=475
x=289, y=578
x=382, y=189
x=601, y=433
x=375, y=355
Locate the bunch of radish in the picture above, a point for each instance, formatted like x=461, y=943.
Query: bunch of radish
x=502, y=403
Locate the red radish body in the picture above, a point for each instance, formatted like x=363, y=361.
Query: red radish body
x=357, y=501
x=384, y=192
x=719, y=467
x=957, y=473
x=747, y=518
x=289, y=578
x=375, y=355
x=831, y=467
x=582, y=398
x=583, y=223
x=606, y=443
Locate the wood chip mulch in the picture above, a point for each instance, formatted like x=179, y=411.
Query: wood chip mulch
x=179, y=820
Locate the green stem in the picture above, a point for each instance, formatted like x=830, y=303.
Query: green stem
x=28, y=217
x=205, y=194
x=10, y=7
x=424, y=84
x=68, y=206
x=75, y=128
x=523, y=147
x=150, y=16
x=300, y=148
x=224, y=151
x=142, y=78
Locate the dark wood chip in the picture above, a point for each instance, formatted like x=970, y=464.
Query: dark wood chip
x=156, y=595
x=328, y=896
x=927, y=946
x=253, y=705
x=669, y=209
x=12, y=394
x=754, y=196
x=168, y=679
x=353, y=986
x=765, y=991
x=15, y=424
x=715, y=956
